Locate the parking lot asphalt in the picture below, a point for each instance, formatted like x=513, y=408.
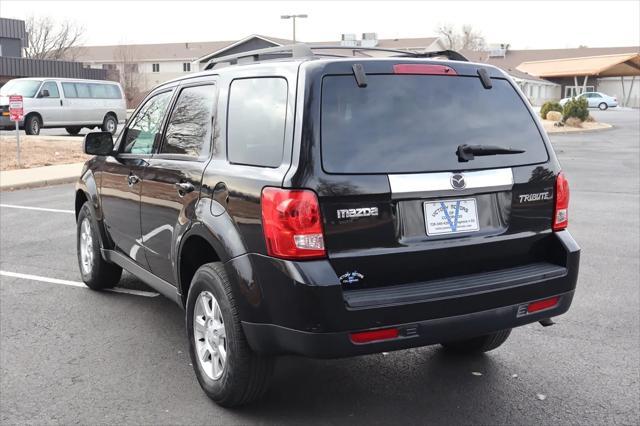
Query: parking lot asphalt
x=70, y=355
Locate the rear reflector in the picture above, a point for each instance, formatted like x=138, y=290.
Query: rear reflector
x=423, y=69
x=374, y=335
x=541, y=305
x=561, y=211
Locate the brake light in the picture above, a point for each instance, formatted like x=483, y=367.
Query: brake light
x=292, y=223
x=561, y=211
x=542, y=305
x=428, y=69
x=374, y=335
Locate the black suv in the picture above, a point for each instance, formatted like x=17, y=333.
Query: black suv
x=303, y=203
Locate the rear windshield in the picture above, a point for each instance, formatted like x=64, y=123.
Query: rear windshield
x=414, y=123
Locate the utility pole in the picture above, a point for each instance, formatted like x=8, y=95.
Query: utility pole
x=294, y=23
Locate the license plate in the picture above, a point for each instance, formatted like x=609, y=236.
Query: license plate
x=451, y=216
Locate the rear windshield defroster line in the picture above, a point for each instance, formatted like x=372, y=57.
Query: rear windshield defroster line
x=414, y=124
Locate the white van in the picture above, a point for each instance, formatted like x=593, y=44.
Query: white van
x=64, y=102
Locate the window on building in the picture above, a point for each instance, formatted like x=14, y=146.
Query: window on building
x=186, y=66
x=189, y=127
x=109, y=67
x=256, y=121
x=155, y=67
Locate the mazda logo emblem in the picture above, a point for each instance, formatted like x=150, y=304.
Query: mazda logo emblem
x=457, y=181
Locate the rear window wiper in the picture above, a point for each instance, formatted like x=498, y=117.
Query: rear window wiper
x=468, y=152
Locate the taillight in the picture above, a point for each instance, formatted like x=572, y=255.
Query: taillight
x=292, y=223
x=561, y=211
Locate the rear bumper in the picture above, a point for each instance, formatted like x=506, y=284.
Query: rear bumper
x=273, y=339
x=301, y=308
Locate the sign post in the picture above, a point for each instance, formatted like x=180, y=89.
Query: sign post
x=16, y=113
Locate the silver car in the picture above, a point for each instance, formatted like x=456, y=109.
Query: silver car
x=596, y=100
x=61, y=102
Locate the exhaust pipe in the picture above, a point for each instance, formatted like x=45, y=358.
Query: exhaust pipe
x=546, y=322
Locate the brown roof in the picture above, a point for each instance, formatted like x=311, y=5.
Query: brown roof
x=605, y=65
x=188, y=51
x=513, y=58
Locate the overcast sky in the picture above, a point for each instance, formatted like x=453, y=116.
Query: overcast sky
x=543, y=24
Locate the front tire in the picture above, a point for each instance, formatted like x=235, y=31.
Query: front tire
x=32, y=125
x=228, y=371
x=73, y=130
x=603, y=106
x=110, y=124
x=478, y=344
x=96, y=272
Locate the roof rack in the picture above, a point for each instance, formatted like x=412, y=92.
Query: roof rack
x=302, y=50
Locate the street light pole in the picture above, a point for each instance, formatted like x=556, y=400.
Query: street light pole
x=294, y=23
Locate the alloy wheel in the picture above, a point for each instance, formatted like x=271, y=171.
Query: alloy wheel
x=86, y=247
x=209, y=335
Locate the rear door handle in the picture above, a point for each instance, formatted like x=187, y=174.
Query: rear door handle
x=60, y=102
x=184, y=188
x=132, y=180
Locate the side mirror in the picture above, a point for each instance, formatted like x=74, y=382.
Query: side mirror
x=44, y=93
x=98, y=143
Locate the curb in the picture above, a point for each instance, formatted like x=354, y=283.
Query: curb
x=38, y=184
x=578, y=132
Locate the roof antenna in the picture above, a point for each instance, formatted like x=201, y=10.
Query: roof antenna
x=484, y=77
x=360, y=75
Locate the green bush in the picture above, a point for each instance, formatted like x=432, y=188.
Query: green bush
x=549, y=106
x=576, y=107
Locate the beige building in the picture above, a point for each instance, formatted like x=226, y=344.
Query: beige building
x=144, y=66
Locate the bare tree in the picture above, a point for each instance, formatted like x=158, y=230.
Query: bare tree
x=130, y=76
x=51, y=40
x=467, y=38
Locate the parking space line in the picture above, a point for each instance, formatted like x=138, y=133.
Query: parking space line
x=75, y=283
x=13, y=206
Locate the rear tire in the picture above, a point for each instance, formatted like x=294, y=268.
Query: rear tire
x=73, y=130
x=32, y=125
x=96, y=272
x=110, y=124
x=603, y=106
x=243, y=375
x=478, y=344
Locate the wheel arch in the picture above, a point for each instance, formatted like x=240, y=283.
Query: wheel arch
x=31, y=114
x=87, y=191
x=196, y=249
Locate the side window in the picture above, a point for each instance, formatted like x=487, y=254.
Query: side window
x=141, y=134
x=52, y=88
x=256, y=121
x=69, y=90
x=98, y=91
x=83, y=90
x=189, y=127
x=114, y=91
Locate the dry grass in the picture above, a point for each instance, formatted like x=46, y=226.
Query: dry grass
x=38, y=151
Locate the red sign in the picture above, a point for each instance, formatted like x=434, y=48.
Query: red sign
x=16, y=112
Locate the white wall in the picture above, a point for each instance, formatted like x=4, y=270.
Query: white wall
x=168, y=71
x=539, y=92
x=612, y=86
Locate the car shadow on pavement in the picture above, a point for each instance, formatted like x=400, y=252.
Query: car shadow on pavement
x=411, y=385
